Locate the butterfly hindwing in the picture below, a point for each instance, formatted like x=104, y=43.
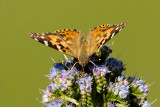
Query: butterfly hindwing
x=61, y=40
x=101, y=34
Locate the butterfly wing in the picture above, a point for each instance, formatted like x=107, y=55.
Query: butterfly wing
x=66, y=41
x=101, y=34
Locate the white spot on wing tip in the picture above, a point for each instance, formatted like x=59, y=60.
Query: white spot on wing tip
x=46, y=43
x=36, y=39
x=117, y=28
x=42, y=37
x=59, y=47
x=112, y=35
x=120, y=29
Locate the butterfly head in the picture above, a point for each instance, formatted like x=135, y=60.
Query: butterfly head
x=83, y=62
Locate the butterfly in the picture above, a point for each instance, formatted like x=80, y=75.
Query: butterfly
x=71, y=42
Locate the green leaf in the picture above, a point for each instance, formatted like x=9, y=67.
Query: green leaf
x=63, y=96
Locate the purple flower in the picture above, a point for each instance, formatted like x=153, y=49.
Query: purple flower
x=83, y=92
x=70, y=75
x=119, y=89
x=51, y=104
x=146, y=104
x=63, y=87
x=45, y=98
x=54, y=72
x=81, y=83
x=70, y=105
x=103, y=73
x=64, y=72
x=52, y=87
x=110, y=105
x=116, y=89
x=85, y=83
x=53, y=69
x=62, y=79
x=124, y=87
x=144, y=88
x=123, y=94
x=120, y=78
x=96, y=71
x=69, y=63
x=88, y=79
x=58, y=103
x=88, y=88
x=69, y=83
x=123, y=91
x=104, y=69
x=139, y=83
x=54, y=104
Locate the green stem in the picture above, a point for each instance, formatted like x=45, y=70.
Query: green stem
x=63, y=96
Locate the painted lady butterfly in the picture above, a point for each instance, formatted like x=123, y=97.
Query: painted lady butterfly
x=71, y=42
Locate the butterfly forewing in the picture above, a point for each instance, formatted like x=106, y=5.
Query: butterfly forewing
x=73, y=38
x=101, y=34
x=66, y=41
x=70, y=41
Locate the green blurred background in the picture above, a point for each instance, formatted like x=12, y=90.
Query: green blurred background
x=24, y=62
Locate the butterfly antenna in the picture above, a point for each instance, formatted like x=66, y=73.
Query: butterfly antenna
x=94, y=64
x=74, y=65
x=53, y=60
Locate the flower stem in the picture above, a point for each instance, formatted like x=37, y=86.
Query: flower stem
x=68, y=98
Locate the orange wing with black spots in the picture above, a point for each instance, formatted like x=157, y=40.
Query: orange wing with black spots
x=66, y=41
x=101, y=34
x=70, y=41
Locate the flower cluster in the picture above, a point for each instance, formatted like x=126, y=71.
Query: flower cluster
x=99, y=84
x=139, y=86
x=85, y=86
x=120, y=87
